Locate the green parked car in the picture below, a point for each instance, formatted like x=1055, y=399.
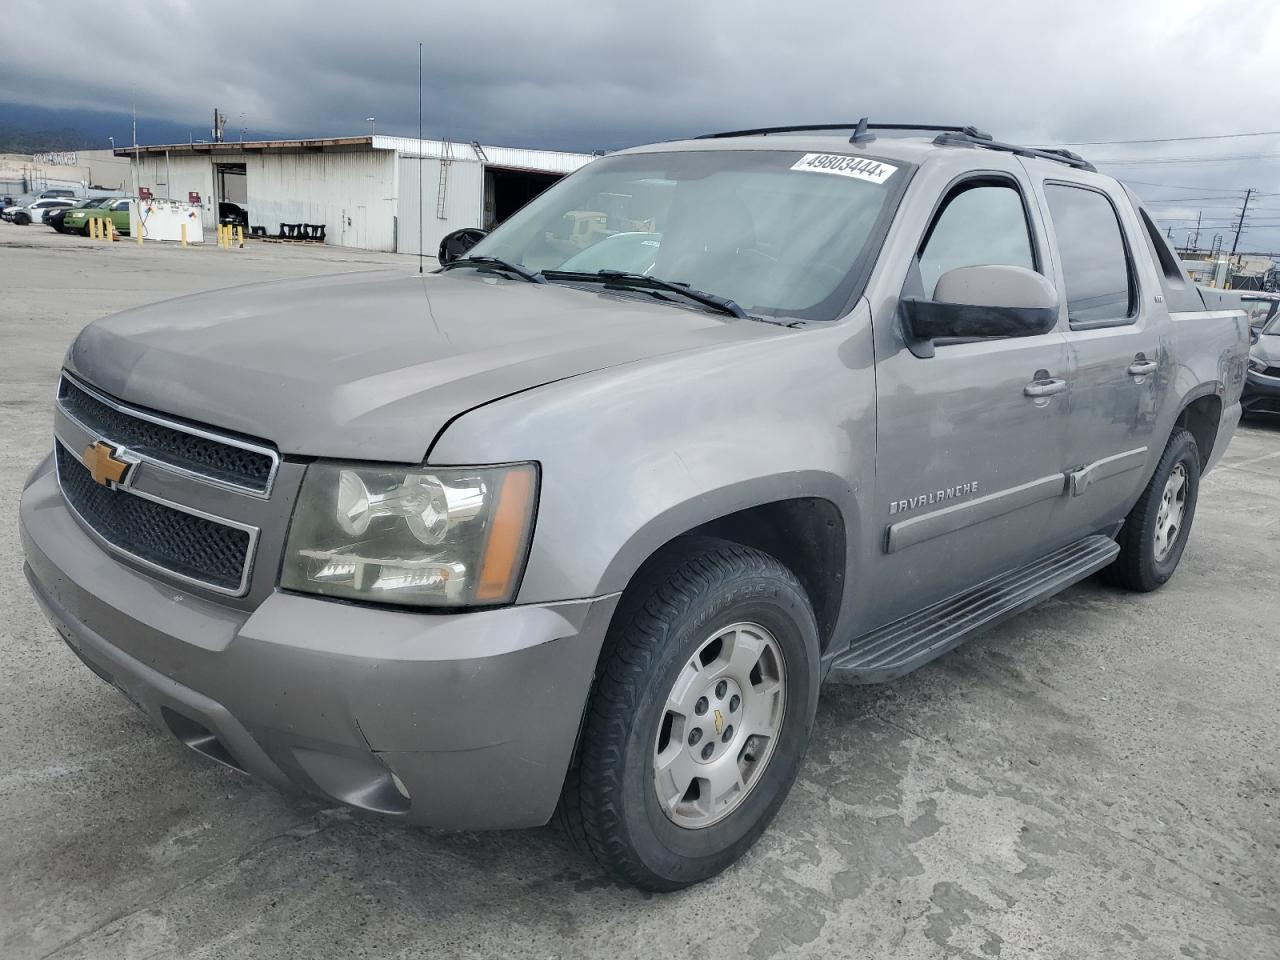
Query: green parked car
x=116, y=209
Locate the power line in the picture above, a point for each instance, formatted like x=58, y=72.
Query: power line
x=1174, y=186
x=1116, y=162
x=1207, y=136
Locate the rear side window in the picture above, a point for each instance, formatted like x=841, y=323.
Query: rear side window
x=981, y=224
x=1095, y=261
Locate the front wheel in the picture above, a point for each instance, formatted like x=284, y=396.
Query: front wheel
x=1155, y=532
x=21, y=219
x=698, y=724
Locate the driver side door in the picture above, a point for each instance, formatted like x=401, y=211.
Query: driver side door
x=969, y=440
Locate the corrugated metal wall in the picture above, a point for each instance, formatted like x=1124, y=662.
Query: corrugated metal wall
x=464, y=194
x=352, y=194
x=189, y=175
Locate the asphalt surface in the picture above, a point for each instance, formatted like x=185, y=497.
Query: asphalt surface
x=1095, y=778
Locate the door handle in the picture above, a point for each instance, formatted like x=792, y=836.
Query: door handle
x=1045, y=386
x=1141, y=366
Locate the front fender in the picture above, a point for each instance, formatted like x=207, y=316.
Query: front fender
x=634, y=456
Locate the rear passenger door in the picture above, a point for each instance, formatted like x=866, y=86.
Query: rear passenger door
x=1116, y=320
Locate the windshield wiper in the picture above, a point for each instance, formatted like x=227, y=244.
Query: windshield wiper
x=523, y=272
x=641, y=281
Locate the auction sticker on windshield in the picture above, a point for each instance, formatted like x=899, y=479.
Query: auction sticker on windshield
x=860, y=168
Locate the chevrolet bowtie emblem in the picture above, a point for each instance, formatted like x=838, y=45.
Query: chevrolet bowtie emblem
x=719, y=722
x=106, y=464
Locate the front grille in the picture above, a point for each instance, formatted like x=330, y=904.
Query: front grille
x=190, y=546
x=1271, y=372
x=220, y=460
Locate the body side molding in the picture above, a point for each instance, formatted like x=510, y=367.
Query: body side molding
x=1111, y=466
x=936, y=523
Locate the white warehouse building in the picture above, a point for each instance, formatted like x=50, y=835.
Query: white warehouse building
x=364, y=190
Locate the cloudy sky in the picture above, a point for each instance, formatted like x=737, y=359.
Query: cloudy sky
x=603, y=74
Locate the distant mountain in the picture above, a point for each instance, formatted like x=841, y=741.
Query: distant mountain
x=29, y=129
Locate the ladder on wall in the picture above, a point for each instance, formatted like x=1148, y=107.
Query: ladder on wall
x=442, y=193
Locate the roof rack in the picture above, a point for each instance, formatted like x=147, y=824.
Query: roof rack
x=953, y=138
x=968, y=136
x=861, y=130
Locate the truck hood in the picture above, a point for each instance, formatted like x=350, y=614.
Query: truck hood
x=373, y=365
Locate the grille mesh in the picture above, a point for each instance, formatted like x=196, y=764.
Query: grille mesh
x=188, y=545
x=209, y=458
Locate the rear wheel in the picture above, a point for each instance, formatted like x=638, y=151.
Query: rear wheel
x=21, y=219
x=701, y=714
x=1156, y=530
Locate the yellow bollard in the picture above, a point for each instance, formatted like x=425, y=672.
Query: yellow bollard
x=184, y=234
x=139, y=237
x=93, y=228
x=240, y=236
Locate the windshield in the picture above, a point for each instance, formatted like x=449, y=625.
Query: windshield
x=779, y=232
x=1272, y=329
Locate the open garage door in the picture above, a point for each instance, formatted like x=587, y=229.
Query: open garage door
x=506, y=190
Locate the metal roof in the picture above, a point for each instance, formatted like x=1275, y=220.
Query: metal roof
x=545, y=161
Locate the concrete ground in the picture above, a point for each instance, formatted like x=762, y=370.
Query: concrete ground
x=1096, y=778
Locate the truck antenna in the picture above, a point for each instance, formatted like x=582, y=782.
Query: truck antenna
x=420, y=250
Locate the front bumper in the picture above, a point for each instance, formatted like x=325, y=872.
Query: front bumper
x=459, y=721
x=1261, y=394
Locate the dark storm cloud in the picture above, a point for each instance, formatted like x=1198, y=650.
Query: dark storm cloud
x=601, y=75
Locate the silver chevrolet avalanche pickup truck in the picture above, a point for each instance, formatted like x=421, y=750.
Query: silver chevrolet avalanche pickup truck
x=577, y=525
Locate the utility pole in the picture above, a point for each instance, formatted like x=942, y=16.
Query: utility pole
x=1240, y=224
x=1196, y=244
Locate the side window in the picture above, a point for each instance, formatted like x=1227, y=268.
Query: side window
x=121, y=205
x=980, y=224
x=1095, y=261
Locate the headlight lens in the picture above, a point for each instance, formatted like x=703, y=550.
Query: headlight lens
x=1256, y=365
x=432, y=537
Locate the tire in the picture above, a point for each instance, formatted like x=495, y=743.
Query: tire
x=21, y=219
x=1141, y=564
x=610, y=805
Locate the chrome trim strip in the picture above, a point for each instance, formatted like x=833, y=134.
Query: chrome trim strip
x=1112, y=466
x=929, y=526
x=263, y=494
x=250, y=551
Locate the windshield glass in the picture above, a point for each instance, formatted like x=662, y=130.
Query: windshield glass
x=779, y=232
x=1272, y=329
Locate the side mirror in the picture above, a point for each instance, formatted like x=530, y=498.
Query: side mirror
x=455, y=245
x=979, y=302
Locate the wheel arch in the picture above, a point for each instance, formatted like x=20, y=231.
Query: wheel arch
x=1200, y=413
x=809, y=534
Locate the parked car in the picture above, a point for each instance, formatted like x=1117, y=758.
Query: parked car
x=1261, y=308
x=1262, y=387
x=34, y=212
x=58, y=207
x=232, y=213
x=57, y=218
x=115, y=209
x=57, y=192
x=589, y=540
x=13, y=205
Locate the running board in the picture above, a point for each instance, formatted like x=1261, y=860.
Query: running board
x=899, y=647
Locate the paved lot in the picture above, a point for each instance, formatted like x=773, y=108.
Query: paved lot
x=1097, y=778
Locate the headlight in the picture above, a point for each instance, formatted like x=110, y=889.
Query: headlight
x=431, y=537
x=1256, y=365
